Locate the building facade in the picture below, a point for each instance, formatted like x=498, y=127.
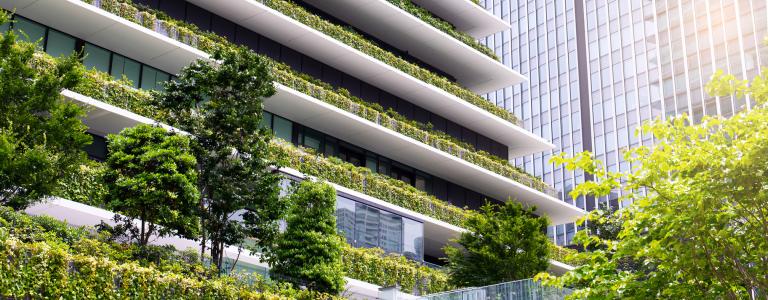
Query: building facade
x=598, y=68
x=382, y=101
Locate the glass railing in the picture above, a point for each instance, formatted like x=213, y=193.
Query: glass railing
x=525, y=289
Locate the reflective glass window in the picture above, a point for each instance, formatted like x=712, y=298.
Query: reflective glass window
x=283, y=128
x=96, y=57
x=59, y=44
x=27, y=30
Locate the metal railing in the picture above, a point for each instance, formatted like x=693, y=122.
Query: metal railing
x=525, y=289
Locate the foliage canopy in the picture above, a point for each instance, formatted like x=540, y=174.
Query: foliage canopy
x=41, y=134
x=220, y=103
x=698, y=221
x=503, y=243
x=309, y=251
x=152, y=177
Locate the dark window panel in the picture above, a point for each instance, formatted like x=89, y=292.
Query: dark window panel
x=468, y=136
x=247, y=38
x=405, y=108
x=312, y=67
x=453, y=129
x=369, y=93
x=331, y=76
x=223, y=27
x=420, y=114
x=150, y=3
x=199, y=17
x=269, y=48
x=484, y=143
x=500, y=150
x=290, y=57
x=438, y=122
x=456, y=195
x=98, y=148
x=387, y=100
x=474, y=199
x=352, y=84
x=174, y=8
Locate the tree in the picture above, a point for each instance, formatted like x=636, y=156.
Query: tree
x=151, y=176
x=309, y=251
x=502, y=243
x=41, y=134
x=699, y=220
x=220, y=102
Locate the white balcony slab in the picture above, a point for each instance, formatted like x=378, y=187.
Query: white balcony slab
x=387, y=22
x=558, y=268
x=287, y=31
x=107, y=30
x=346, y=126
x=466, y=16
x=103, y=119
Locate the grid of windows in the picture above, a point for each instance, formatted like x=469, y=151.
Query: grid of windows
x=643, y=60
x=369, y=227
x=57, y=43
x=541, y=44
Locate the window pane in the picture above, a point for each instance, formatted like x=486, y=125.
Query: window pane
x=96, y=57
x=345, y=218
x=266, y=120
x=283, y=128
x=34, y=32
x=366, y=226
x=391, y=232
x=413, y=239
x=148, y=78
x=59, y=44
x=312, y=139
x=118, y=63
x=5, y=26
x=132, y=71
x=160, y=80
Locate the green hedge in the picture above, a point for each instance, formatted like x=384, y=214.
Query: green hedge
x=373, y=266
x=374, y=113
x=564, y=255
x=364, y=180
x=442, y=25
x=362, y=44
x=45, y=258
x=191, y=35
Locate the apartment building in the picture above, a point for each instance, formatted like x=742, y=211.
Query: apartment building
x=389, y=91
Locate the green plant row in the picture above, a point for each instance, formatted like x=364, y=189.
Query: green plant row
x=206, y=41
x=44, y=258
x=364, y=180
x=427, y=16
x=374, y=266
x=342, y=99
x=563, y=255
x=357, y=41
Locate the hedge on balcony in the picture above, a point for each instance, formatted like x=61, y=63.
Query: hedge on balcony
x=191, y=35
x=442, y=25
x=564, y=255
x=45, y=258
x=364, y=180
x=362, y=44
x=374, y=266
x=374, y=113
